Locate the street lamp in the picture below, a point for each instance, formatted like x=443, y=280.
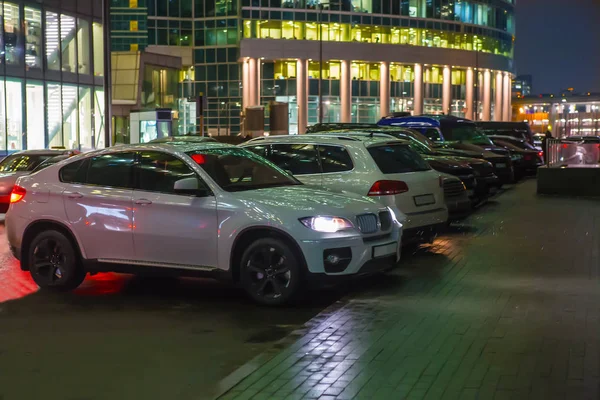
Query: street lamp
x=321, y=5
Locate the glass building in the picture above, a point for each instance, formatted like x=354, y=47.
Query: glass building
x=364, y=58
x=52, y=75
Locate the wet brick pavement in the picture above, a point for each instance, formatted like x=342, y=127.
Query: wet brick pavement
x=504, y=307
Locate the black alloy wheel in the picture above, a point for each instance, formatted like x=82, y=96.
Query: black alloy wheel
x=270, y=272
x=53, y=262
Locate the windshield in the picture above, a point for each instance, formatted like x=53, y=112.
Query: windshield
x=236, y=170
x=22, y=162
x=48, y=162
x=466, y=133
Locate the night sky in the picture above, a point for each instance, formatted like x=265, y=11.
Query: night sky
x=558, y=42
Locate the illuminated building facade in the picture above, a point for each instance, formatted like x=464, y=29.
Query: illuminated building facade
x=51, y=75
x=366, y=58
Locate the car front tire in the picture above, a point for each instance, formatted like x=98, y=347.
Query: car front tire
x=54, y=262
x=270, y=272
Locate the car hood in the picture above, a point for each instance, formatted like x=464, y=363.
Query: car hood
x=448, y=165
x=8, y=180
x=304, y=201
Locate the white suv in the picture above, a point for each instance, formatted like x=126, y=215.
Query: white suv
x=385, y=169
x=199, y=208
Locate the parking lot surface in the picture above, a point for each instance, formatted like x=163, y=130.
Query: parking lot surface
x=506, y=306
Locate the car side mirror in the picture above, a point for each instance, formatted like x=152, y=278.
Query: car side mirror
x=190, y=186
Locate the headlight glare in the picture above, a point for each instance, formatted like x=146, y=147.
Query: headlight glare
x=326, y=224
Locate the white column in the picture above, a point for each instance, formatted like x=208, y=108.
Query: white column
x=487, y=95
x=252, y=79
x=302, y=94
x=499, y=92
x=418, y=96
x=507, y=107
x=245, y=84
x=470, y=87
x=384, y=89
x=446, y=89
x=346, y=92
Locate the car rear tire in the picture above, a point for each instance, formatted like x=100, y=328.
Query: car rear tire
x=54, y=262
x=270, y=272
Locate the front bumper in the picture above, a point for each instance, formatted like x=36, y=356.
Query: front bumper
x=485, y=183
x=356, y=254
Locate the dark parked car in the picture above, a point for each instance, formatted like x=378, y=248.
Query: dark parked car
x=519, y=130
x=458, y=134
x=526, y=158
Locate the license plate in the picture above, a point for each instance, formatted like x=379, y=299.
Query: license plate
x=500, y=165
x=424, y=200
x=385, y=250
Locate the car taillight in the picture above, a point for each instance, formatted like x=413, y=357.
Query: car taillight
x=17, y=194
x=528, y=157
x=541, y=154
x=386, y=188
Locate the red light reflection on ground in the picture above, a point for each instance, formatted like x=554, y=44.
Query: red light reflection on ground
x=14, y=283
x=102, y=284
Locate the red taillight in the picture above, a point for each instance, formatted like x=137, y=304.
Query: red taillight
x=17, y=194
x=528, y=157
x=199, y=159
x=541, y=154
x=387, y=188
x=565, y=146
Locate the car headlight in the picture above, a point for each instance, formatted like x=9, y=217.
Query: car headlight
x=326, y=224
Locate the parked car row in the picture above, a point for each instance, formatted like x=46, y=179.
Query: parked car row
x=272, y=214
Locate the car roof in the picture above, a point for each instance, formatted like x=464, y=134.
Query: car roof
x=346, y=137
x=173, y=147
x=42, y=152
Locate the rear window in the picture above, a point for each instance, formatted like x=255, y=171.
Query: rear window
x=396, y=159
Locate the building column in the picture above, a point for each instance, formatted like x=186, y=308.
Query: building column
x=470, y=88
x=487, y=95
x=418, y=90
x=245, y=84
x=446, y=89
x=384, y=89
x=302, y=94
x=507, y=107
x=498, y=104
x=253, y=92
x=345, y=92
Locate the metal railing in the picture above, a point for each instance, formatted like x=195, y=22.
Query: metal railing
x=564, y=152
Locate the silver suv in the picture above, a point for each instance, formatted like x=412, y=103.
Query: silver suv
x=193, y=209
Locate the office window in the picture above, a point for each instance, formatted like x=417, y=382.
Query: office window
x=83, y=46
x=68, y=43
x=35, y=125
x=14, y=114
x=12, y=34
x=33, y=37
x=98, y=48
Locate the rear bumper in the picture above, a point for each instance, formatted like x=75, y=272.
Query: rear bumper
x=423, y=219
x=458, y=207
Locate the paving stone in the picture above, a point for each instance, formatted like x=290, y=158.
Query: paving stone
x=505, y=305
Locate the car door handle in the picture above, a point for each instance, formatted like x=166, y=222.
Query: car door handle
x=74, y=195
x=143, y=202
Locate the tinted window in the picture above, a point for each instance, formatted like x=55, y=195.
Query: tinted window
x=335, y=159
x=22, y=162
x=48, y=162
x=113, y=170
x=395, y=159
x=235, y=169
x=75, y=172
x=158, y=172
x=299, y=159
x=432, y=134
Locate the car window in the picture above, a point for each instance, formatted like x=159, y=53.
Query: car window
x=235, y=169
x=395, y=159
x=433, y=134
x=157, y=172
x=299, y=159
x=75, y=172
x=112, y=170
x=22, y=162
x=335, y=159
x=48, y=162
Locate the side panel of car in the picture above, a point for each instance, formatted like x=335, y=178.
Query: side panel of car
x=97, y=199
x=172, y=227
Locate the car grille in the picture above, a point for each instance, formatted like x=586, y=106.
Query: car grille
x=453, y=188
x=367, y=223
x=385, y=219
